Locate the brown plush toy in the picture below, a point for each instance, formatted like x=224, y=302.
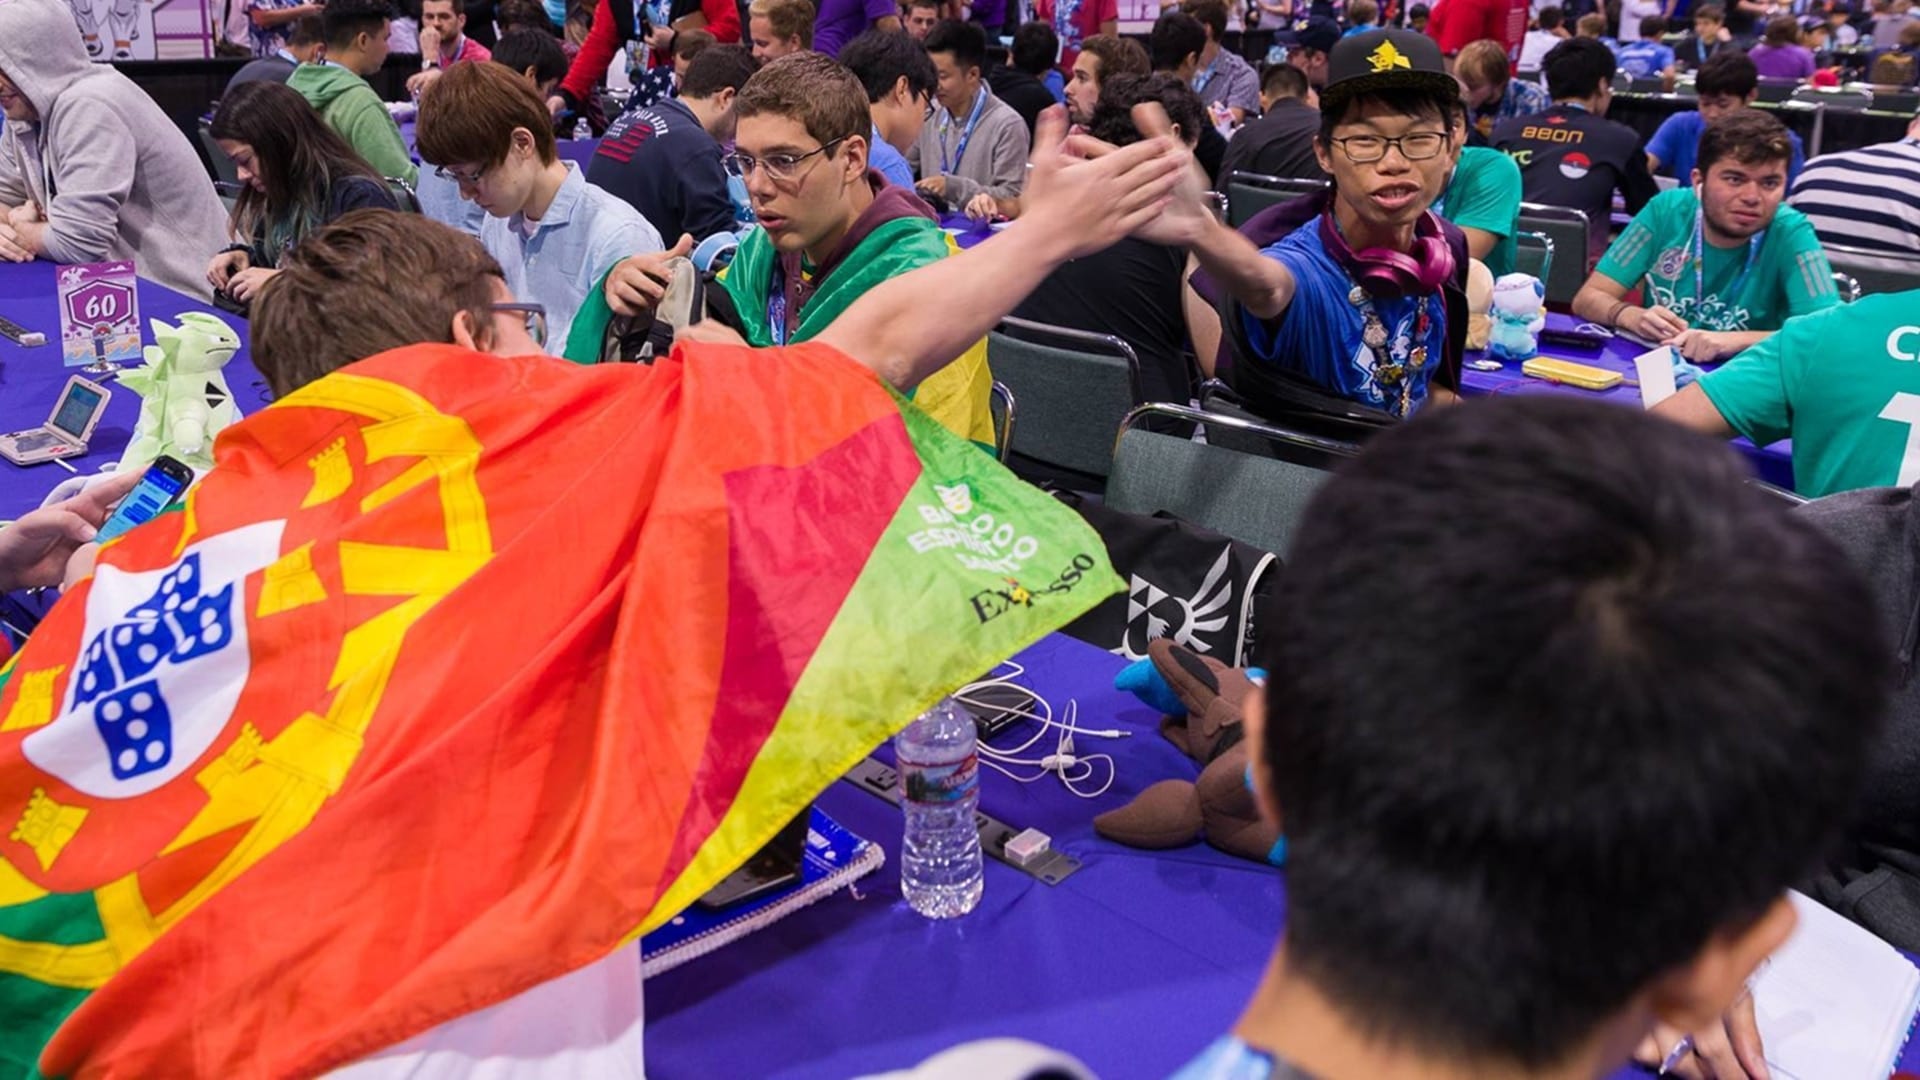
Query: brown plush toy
x=1219, y=808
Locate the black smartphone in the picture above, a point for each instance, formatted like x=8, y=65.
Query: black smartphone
x=166, y=480
x=1583, y=339
x=775, y=866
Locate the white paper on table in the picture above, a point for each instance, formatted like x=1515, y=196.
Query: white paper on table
x=1655, y=371
x=1835, y=1002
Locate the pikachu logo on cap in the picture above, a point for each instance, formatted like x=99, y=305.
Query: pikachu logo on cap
x=1386, y=58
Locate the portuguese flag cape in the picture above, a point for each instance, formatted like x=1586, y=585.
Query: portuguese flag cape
x=456, y=673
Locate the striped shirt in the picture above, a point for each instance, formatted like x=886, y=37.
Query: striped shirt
x=1867, y=198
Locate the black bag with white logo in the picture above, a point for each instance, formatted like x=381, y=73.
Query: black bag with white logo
x=1184, y=582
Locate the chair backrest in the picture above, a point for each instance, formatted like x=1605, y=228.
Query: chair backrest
x=223, y=167
x=1073, y=387
x=1001, y=404
x=1647, y=84
x=1567, y=228
x=1772, y=491
x=1253, y=498
x=1774, y=91
x=404, y=194
x=1873, y=272
x=1854, y=100
x=1533, y=254
x=1249, y=193
x=1846, y=286
x=1904, y=102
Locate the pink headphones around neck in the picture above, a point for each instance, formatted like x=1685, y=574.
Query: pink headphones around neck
x=1387, y=274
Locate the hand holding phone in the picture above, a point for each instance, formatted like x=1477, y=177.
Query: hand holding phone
x=165, y=481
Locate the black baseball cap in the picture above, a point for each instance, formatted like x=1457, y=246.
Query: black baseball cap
x=1318, y=33
x=1384, y=60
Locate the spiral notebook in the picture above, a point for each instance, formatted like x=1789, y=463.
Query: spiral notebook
x=834, y=859
x=1835, y=1002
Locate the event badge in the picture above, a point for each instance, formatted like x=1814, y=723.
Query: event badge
x=99, y=314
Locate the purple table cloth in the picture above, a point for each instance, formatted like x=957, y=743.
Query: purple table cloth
x=1773, y=463
x=1133, y=964
x=30, y=379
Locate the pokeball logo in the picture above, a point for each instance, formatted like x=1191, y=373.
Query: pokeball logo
x=164, y=661
x=1575, y=165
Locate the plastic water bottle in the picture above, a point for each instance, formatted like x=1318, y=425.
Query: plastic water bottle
x=582, y=129
x=940, y=862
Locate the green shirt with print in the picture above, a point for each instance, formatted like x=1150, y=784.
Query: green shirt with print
x=1485, y=194
x=1790, y=275
x=1844, y=383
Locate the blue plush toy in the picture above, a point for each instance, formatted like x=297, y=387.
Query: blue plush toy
x=1518, y=316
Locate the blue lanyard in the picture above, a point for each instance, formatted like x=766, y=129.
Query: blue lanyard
x=1205, y=76
x=1699, y=246
x=777, y=301
x=979, y=104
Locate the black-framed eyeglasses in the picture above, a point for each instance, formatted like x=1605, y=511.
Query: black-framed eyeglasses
x=1366, y=149
x=535, y=314
x=778, y=166
x=471, y=179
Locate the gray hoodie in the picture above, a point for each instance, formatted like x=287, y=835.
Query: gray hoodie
x=116, y=178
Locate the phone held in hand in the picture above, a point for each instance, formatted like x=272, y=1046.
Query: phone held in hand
x=165, y=481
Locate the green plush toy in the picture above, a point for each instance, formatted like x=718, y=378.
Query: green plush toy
x=184, y=400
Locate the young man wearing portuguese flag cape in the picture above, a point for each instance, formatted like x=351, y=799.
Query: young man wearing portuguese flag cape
x=831, y=228
x=458, y=673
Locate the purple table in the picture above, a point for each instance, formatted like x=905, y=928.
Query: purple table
x=1133, y=964
x=1773, y=463
x=30, y=379
x=1104, y=965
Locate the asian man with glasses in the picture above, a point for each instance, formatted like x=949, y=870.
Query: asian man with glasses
x=1366, y=300
x=555, y=236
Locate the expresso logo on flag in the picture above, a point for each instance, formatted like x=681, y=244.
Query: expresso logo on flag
x=990, y=604
x=976, y=538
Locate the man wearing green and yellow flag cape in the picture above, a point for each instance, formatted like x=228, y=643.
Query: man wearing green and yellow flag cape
x=831, y=228
x=459, y=672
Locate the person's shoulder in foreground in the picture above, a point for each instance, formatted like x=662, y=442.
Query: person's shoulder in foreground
x=90, y=168
x=1722, y=650
x=1850, y=410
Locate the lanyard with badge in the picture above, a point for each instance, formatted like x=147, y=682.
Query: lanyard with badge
x=1697, y=247
x=1394, y=376
x=777, y=299
x=966, y=134
x=1206, y=74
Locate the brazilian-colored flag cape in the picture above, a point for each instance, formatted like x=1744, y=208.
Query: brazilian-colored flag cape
x=956, y=395
x=456, y=673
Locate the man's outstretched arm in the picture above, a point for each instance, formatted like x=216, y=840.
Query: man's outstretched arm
x=909, y=327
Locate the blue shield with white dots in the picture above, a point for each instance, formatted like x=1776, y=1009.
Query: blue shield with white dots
x=165, y=663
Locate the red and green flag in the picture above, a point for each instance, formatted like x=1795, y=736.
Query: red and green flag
x=457, y=673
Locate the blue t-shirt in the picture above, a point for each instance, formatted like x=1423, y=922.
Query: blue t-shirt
x=1644, y=59
x=1677, y=146
x=1320, y=334
x=891, y=163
